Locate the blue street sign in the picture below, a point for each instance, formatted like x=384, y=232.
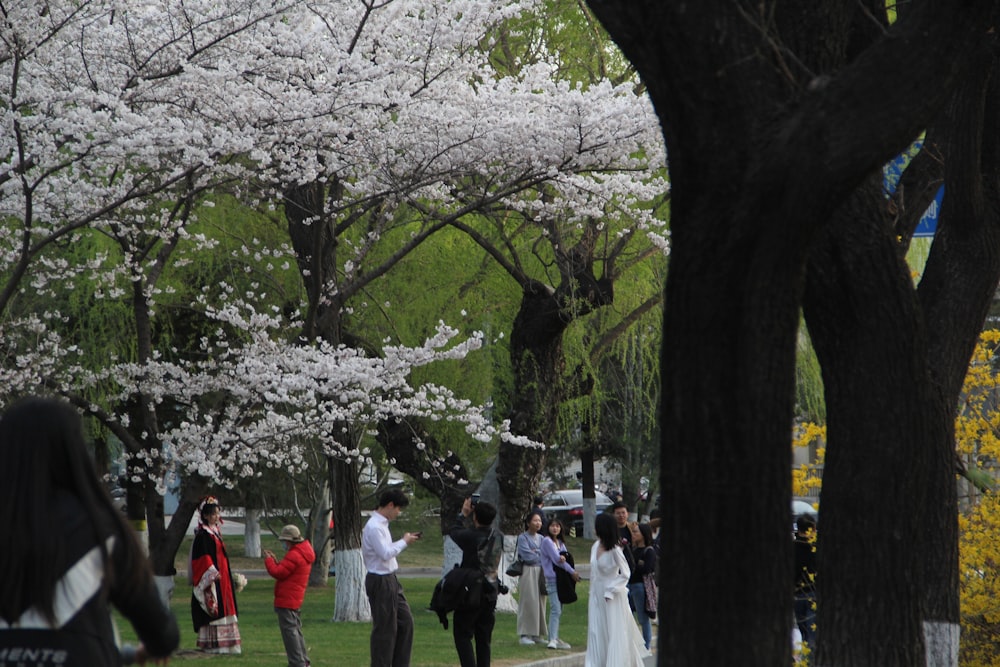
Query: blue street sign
x=891, y=174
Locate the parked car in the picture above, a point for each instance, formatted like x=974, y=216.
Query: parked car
x=567, y=506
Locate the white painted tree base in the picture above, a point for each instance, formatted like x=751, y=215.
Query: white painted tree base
x=942, y=643
x=508, y=603
x=351, y=600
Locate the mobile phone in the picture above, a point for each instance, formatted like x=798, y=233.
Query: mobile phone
x=475, y=498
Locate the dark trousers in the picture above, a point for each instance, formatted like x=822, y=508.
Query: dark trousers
x=479, y=625
x=392, y=622
x=805, y=617
x=290, y=622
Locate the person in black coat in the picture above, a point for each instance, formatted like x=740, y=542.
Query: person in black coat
x=59, y=584
x=481, y=548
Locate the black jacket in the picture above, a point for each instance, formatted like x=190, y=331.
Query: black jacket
x=475, y=542
x=84, y=636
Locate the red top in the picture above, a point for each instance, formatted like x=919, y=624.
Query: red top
x=292, y=575
x=208, y=550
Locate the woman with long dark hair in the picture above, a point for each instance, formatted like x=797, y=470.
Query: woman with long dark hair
x=555, y=557
x=70, y=554
x=644, y=557
x=613, y=639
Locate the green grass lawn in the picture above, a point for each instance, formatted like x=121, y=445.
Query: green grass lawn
x=347, y=643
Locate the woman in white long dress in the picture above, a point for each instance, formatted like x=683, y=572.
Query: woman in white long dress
x=613, y=638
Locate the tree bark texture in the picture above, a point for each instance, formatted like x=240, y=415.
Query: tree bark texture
x=774, y=113
x=321, y=535
x=351, y=603
x=536, y=357
x=883, y=455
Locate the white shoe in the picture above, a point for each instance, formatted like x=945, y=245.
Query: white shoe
x=561, y=644
x=552, y=644
x=540, y=640
x=527, y=641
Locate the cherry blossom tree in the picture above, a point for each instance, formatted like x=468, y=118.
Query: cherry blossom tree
x=361, y=121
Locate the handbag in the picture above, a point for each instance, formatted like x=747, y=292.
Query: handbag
x=516, y=568
x=652, y=594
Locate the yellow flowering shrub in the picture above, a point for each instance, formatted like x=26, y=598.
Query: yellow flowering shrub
x=978, y=445
x=805, y=478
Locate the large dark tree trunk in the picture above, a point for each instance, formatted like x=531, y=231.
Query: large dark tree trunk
x=537, y=360
x=762, y=149
x=875, y=362
x=883, y=419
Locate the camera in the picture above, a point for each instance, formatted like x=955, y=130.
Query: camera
x=475, y=498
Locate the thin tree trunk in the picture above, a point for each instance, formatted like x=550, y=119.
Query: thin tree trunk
x=251, y=533
x=321, y=536
x=351, y=602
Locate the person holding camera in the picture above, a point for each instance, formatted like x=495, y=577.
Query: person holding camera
x=473, y=533
x=291, y=576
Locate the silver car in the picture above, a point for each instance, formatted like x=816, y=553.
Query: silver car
x=567, y=506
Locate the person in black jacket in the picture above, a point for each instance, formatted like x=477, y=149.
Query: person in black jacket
x=644, y=558
x=481, y=547
x=73, y=555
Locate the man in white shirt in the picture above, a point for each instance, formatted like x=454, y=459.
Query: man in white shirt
x=392, y=622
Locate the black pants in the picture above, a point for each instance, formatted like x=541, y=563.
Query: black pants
x=392, y=622
x=478, y=625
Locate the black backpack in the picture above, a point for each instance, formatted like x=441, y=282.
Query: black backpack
x=461, y=588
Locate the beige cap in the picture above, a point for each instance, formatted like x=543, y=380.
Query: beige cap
x=290, y=533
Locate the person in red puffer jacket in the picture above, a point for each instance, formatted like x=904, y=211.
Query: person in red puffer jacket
x=292, y=575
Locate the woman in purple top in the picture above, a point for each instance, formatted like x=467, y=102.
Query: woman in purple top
x=554, y=554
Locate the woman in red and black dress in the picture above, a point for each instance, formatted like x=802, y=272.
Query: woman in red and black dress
x=213, y=601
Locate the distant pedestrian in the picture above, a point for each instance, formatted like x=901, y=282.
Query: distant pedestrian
x=655, y=520
x=213, y=598
x=613, y=640
x=555, y=556
x=644, y=558
x=620, y=511
x=530, y=605
x=292, y=575
x=68, y=554
x=392, y=622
